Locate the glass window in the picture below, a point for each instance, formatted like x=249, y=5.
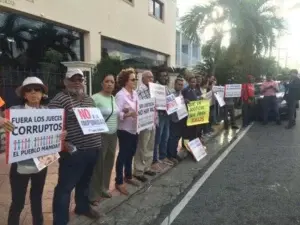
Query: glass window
x=156, y=8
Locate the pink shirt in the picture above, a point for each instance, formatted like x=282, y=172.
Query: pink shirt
x=125, y=100
x=269, y=91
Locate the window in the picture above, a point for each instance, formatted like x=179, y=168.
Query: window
x=156, y=9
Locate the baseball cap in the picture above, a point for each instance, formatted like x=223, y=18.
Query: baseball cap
x=72, y=72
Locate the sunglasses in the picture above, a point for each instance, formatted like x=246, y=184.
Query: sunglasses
x=134, y=79
x=28, y=89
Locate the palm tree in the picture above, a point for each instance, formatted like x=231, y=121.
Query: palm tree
x=252, y=25
x=12, y=34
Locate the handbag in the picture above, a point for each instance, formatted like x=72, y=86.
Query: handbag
x=112, y=109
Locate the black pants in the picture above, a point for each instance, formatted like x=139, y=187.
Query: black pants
x=75, y=171
x=127, y=149
x=247, y=113
x=291, y=111
x=229, y=109
x=19, y=183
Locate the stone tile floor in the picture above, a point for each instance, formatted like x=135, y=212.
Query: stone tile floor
x=5, y=195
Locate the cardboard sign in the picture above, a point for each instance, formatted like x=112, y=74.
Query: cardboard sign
x=158, y=92
x=172, y=105
x=233, y=90
x=90, y=120
x=198, y=112
x=146, y=114
x=197, y=149
x=182, y=110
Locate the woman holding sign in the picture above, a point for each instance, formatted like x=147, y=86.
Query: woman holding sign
x=106, y=102
x=31, y=92
x=126, y=100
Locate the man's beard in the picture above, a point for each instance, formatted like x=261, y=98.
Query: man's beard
x=76, y=91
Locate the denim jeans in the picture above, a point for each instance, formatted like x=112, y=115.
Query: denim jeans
x=75, y=171
x=270, y=104
x=161, y=138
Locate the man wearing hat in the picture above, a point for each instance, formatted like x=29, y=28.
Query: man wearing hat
x=78, y=160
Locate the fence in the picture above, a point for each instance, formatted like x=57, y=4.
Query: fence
x=11, y=78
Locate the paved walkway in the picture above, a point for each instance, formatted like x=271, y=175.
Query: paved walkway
x=5, y=195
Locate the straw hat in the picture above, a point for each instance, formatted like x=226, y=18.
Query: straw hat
x=30, y=81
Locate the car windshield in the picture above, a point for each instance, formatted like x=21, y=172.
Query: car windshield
x=257, y=88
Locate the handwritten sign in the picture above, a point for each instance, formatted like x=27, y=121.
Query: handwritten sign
x=171, y=104
x=182, y=110
x=90, y=120
x=36, y=133
x=198, y=112
x=233, y=90
x=197, y=149
x=158, y=92
x=146, y=114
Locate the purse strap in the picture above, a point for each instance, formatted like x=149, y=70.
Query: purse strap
x=112, y=109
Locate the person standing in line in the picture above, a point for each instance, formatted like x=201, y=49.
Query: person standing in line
x=144, y=154
x=162, y=130
x=126, y=100
x=176, y=125
x=31, y=92
x=269, y=89
x=247, y=101
x=229, y=108
x=106, y=102
x=77, y=162
x=292, y=96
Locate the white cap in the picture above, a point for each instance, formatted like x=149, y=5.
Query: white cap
x=72, y=72
x=31, y=80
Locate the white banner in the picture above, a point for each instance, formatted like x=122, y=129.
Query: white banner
x=172, y=105
x=37, y=133
x=90, y=120
x=182, y=110
x=146, y=114
x=219, y=89
x=158, y=92
x=233, y=90
x=197, y=149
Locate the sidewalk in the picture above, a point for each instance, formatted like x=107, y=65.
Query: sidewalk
x=5, y=196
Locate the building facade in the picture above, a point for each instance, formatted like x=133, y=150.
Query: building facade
x=130, y=29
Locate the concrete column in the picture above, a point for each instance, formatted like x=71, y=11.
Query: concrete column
x=180, y=49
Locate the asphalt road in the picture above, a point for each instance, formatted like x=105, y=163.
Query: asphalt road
x=258, y=183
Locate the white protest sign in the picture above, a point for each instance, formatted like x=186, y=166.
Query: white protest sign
x=197, y=149
x=172, y=105
x=182, y=110
x=146, y=114
x=219, y=99
x=219, y=89
x=158, y=92
x=43, y=161
x=90, y=120
x=233, y=90
x=36, y=133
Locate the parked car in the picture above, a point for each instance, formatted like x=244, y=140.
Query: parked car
x=282, y=104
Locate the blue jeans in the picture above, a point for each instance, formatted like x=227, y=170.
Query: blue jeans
x=75, y=171
x=127, y=149
x=161, y=138
x=270, y=104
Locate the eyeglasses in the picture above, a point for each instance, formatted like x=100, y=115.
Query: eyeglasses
x=27, y=89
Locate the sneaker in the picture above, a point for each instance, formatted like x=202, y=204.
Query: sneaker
x=167, y=162
x=150, y=173
x=132, y=182
x=156, y=167
x=122, y=189
x=173, y=160
x=141, y=178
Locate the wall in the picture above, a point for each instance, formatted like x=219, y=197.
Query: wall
x=112, y=18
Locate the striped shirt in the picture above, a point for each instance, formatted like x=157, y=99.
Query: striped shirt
x=75, y=134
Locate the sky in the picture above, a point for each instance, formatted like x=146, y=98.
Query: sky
x=288, y=46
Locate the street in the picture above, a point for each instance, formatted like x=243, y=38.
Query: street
x=258, y=183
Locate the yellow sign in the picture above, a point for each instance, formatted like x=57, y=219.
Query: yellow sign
x=2, y=102
x=198, y=112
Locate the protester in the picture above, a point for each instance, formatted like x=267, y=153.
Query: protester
x=106, y=102
x=162, y=130
x=229, y=108
x=31, y=93
x=126, y=100
x=269, y=89
x=144, y=154
x=204, y=129
x=77, y=162
x=190, y=94
x=292, y=96
x=176, y=125
x=247, y=101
